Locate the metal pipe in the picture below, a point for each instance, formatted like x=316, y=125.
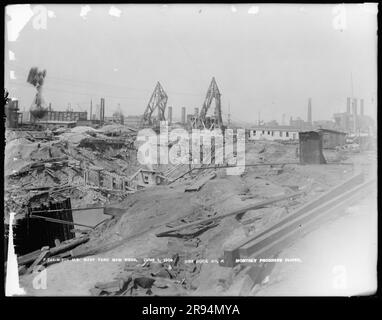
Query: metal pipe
x=59, y=210
x=61, y=221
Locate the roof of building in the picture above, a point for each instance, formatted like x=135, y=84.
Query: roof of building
x=56, y=122
x=323, y=130
x=331, y=131
x=133, y=117
x=275, y=128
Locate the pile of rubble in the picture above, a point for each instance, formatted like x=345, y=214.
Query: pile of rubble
x=154, y=277
x=181, y=219
x=41, y=165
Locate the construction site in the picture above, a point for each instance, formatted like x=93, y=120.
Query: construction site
x=179, y=199
x=85, y=208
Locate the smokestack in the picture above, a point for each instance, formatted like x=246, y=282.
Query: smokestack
x=50, y=106
x=361, y=107
x=348, y=105
x=355, y=111
x=310, y=111
x=91, y=110
x=169, y=115
x=354, y=114
x=183, y=115
x=102, y=110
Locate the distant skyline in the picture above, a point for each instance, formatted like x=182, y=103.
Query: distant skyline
x=267, y=59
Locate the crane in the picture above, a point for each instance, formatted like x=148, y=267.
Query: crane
x=205, y=122
x=157, y=101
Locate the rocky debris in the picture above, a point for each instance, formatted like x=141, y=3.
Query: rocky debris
x=149, y=277
x=151, y=210
x=116, y=287
x=55, y=167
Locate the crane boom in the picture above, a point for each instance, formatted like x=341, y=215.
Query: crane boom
x=204, y=121
x=158, y=100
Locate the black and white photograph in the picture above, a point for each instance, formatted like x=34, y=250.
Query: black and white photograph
x=190, y=150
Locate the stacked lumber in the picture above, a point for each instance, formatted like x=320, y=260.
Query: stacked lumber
x=240, y=211
x=38, y=257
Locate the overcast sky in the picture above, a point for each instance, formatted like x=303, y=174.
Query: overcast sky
x=265, y=58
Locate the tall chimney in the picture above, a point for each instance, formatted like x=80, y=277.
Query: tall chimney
x=102, y=110
x=91, y=109
x=354, y=115
x=310, y=111
x=348, y=100
x=169, y=115
x=183, y=115
x=361, y=107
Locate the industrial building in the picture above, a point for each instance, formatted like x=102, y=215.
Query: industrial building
x=12, y=114
x=53, y=119
x=132, y=121
x=52, y=115
x=116, y=118
x=302, y=124
x=353, y=122
x=273, y=133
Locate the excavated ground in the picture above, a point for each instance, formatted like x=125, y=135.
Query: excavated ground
x=23, y=151
x=155, y=209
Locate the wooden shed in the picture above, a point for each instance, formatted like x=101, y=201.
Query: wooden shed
x=332, y=138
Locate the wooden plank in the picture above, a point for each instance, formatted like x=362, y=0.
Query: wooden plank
x=279, y=234
x=67, y=246
x=134, y=175
x=60, y=221
x=29, y=257
x=233, y=252
x=32, y=256
x=258, y=205
x=201, y=182
x=39, y=259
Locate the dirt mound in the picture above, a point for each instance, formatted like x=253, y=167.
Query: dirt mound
x=17, y=154
x=82, y=129
x=115, y=128
x=74, y=138
x=259, y=151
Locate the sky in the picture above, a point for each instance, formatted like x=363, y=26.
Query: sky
x=267, y=60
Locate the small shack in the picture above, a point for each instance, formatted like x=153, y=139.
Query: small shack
x=145, y=178
x=332, y=138
x=310, y=148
